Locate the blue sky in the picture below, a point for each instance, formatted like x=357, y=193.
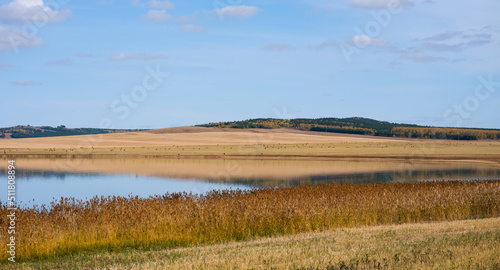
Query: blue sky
x=155, y=64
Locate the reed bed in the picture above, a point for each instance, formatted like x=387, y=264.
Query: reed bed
x=69, y=226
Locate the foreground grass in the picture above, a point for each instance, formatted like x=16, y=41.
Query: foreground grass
x=69, y=227
x=467, y=244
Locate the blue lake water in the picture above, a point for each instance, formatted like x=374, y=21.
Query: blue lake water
x=38, y=189
x=40, y=182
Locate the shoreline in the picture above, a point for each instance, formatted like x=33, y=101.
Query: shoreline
x=253, y=167
x=265, y=157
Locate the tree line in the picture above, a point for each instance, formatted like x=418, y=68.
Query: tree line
x=364, y=126
x=47, y=131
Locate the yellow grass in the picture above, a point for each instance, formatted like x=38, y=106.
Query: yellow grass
x=175, y=220
x=466, y=244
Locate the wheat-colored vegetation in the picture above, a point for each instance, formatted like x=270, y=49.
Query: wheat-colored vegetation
x=464, y=244
x=68, y=227
x=441, y=149
x=183, y=136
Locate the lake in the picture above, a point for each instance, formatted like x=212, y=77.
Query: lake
x=41, y=181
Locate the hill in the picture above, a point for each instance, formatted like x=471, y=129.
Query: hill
x=47, y=131
x=364, y=126
x=353, y=125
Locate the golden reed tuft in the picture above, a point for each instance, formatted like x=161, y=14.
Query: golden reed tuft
x=166, y=221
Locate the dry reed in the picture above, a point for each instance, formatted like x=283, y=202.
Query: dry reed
x=113, y=223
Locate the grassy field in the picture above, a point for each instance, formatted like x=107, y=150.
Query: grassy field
x=253, y=143
x=188, y=136
x=466, y=244
x=177, y=220
x=413, y=149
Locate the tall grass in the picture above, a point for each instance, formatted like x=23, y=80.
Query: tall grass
x=172, y=220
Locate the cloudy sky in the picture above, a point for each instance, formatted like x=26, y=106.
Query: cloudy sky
x=154, y=64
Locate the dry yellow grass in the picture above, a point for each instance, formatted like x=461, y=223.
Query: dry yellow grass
x=169, y=221
x=458, y=244
x=466, y=244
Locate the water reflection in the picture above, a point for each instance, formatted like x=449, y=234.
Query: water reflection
x=41, y=180
x=42, y=187
x=378, y=177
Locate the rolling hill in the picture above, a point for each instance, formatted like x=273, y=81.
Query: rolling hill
x=363, y=126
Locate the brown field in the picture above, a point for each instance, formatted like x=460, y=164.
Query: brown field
x=252, y=143
x=183, y=136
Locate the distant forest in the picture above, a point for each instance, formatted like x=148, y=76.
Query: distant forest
x=364, y=126
x=354, y=125
x=47, y=131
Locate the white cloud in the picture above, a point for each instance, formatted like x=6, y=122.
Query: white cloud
x=237, y=11
x=379, y=3
x=12, y=39
x=106, y=2
x=157, y=16
x=192, y=28
x=457, y=41
x=478, y=42
x=18, y=11
x=136, y=56
x=365, y=40
x=161, y=4
x=360, y=41
x=442, y=47
x=421, y=57
x=415, y=54
x=5, y=65
x=443, y=36
x=276, y=47
x=25, y=83
x=154, y=4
